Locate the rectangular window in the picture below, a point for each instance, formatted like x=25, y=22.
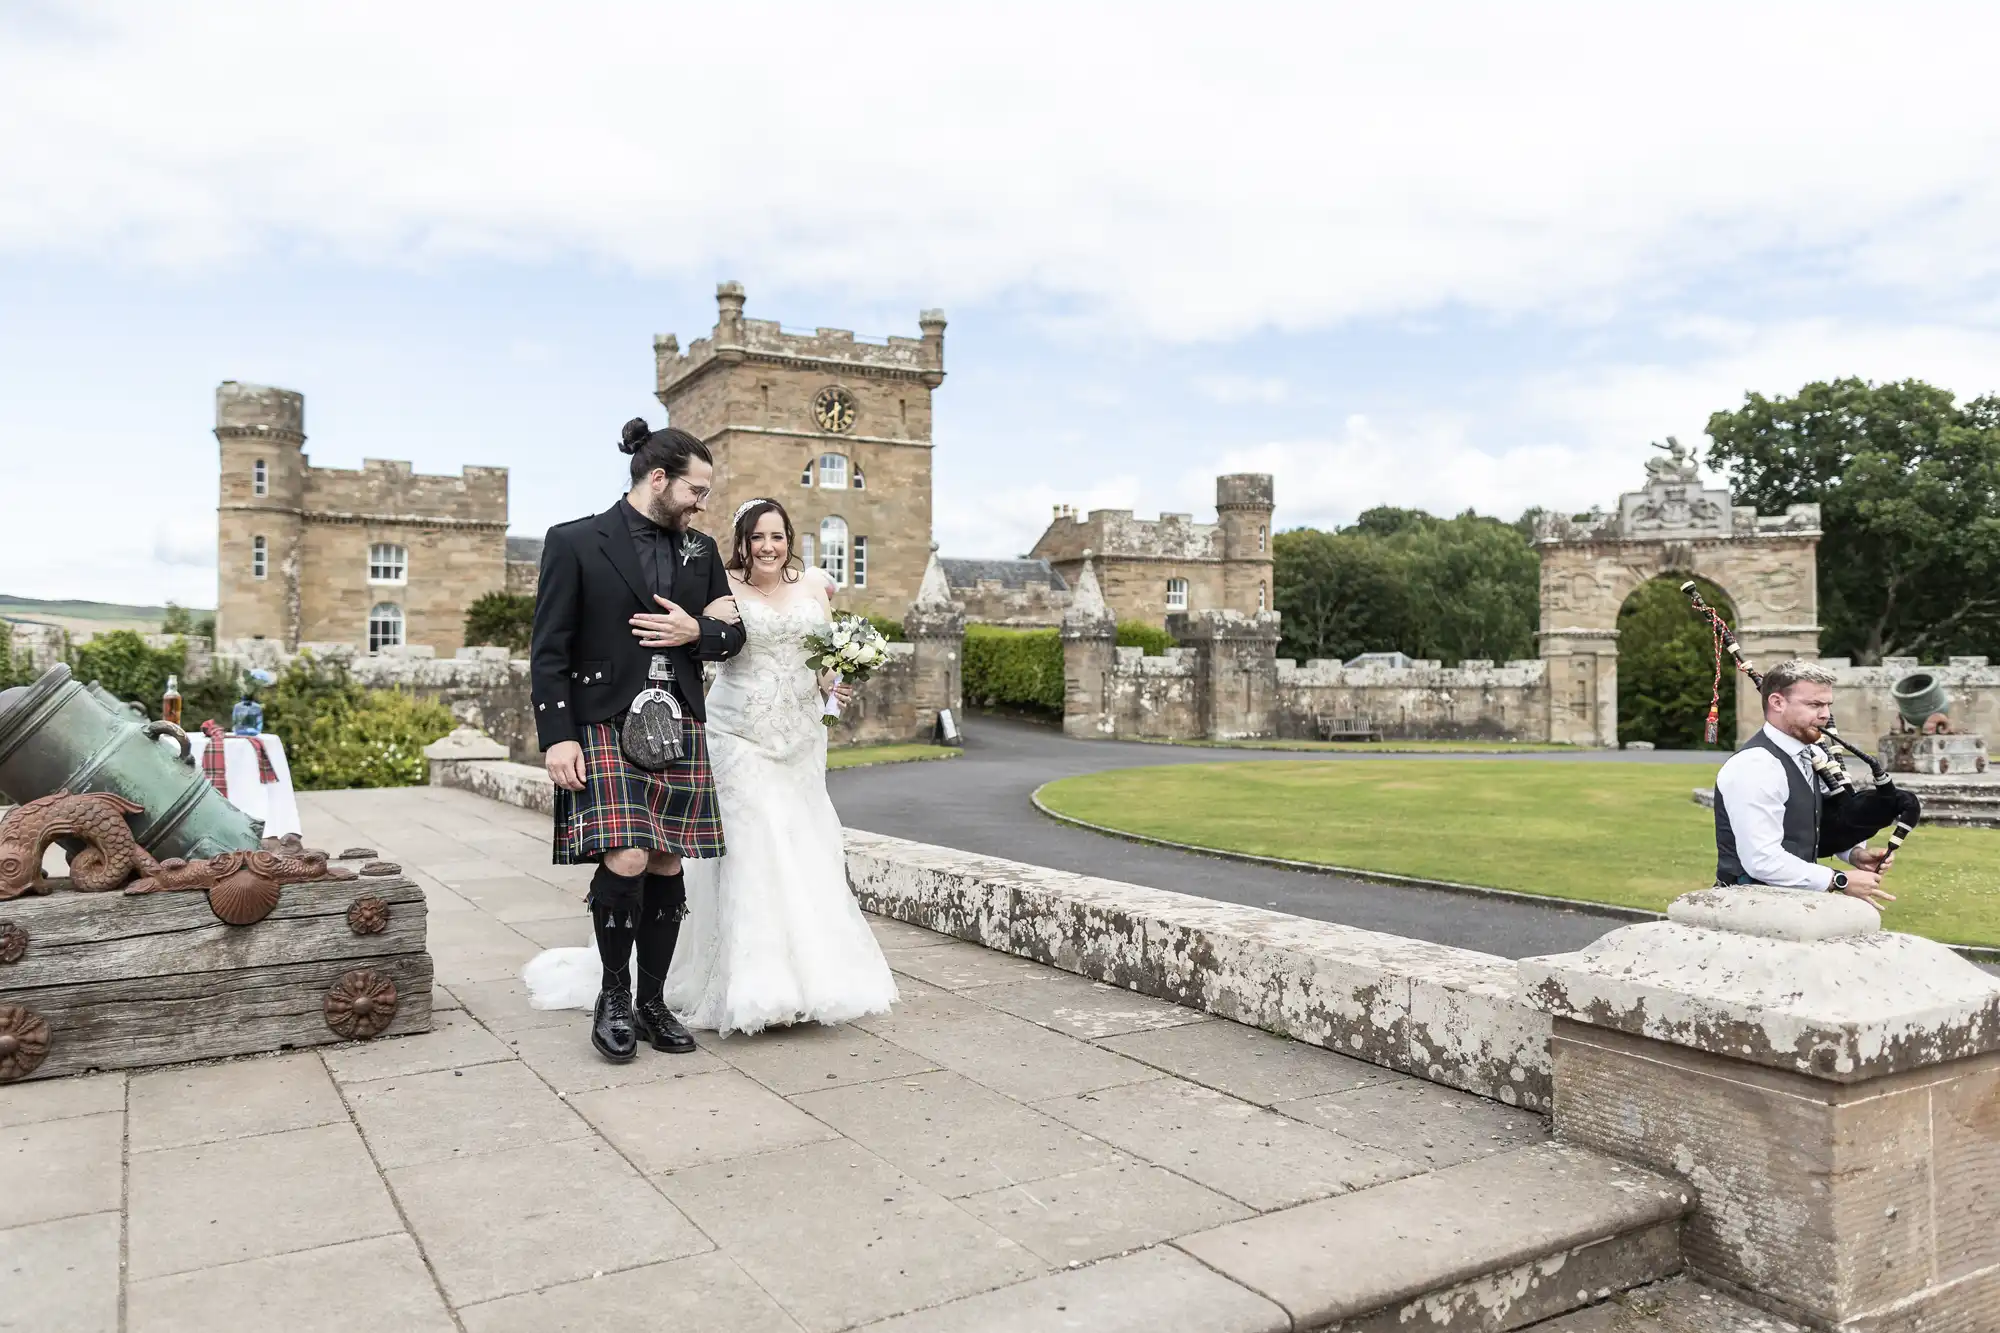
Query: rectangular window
x=806, y=550
x=833, y=471
x=388, y=563
x=860, y=562
x=260, y=557
x=1260, y=536
x=1176, y=594
x=260, y=483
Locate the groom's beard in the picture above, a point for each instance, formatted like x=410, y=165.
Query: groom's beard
x=670, y=517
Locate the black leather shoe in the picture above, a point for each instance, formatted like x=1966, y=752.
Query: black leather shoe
x=611, y=1027
x=657, y=1024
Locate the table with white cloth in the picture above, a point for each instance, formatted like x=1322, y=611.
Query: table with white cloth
x=273, y=802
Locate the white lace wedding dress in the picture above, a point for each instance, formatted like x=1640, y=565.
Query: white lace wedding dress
x=772, y=934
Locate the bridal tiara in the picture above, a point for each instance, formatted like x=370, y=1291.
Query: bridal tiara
x=745, y=508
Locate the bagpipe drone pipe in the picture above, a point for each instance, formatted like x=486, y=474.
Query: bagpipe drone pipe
x=1850, y=816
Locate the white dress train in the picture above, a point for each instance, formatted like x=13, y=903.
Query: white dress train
x=773, y=935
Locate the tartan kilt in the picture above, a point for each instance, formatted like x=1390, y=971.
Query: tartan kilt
x=623, y=805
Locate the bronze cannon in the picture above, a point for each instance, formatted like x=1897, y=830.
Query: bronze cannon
x=60, y=735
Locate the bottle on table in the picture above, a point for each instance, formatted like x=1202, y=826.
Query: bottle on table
x=170, y=702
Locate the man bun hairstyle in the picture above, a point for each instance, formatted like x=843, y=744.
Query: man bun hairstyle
x=1797, y=671
x=746, y=523
x=670, y=450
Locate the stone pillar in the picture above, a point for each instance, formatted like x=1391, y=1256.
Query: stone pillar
x=1766, y=647
x=935, y=627
x=1236, y=670
x=1830, y=1089
x=1090, y=651
x=1583, y=686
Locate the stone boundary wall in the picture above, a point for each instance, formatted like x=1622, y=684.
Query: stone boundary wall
x=1425, y=700
x=1451, y=1016
x=1448, y=1015
x=1153, y=698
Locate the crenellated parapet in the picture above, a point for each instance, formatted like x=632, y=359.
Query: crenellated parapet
x=738, y=339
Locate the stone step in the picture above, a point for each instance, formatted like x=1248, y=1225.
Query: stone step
x=1485, y=1246
x=1678, y=1305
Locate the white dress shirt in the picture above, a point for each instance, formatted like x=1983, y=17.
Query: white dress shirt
x=1753, y=789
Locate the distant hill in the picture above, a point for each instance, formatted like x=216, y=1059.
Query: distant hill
x=87, y=617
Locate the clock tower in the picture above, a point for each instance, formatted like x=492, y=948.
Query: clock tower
x=834, y=427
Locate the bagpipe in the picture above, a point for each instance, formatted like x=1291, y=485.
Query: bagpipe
x=1851, y=815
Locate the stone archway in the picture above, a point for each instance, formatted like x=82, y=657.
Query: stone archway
x=1768, y=564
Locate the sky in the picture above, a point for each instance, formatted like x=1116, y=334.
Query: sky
x=1442, y=256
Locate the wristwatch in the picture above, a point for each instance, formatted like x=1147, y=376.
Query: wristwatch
x=1839, y=884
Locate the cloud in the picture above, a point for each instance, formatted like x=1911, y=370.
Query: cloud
x=1421, y=462
x=189, y=542
x=1242, y=388
x=1003, y=522
x=1198, y=173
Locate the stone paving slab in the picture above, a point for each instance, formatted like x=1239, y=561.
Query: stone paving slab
x=1011, y=1148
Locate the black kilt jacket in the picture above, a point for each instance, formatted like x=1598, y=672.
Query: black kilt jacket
x=586, y=665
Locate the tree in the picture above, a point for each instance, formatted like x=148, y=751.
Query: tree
x=177, y=620
x=503, y=619
x=1401, y=579
x=1666, y=668
x=1908, y=484
x=1338, y=593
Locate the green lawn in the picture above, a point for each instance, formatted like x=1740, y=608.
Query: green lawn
x=1384, y=747
x=1613, y=833
x=860, y=756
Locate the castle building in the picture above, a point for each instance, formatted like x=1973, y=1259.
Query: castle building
x=1148, y=569
x=377, y=559
x=834, y=427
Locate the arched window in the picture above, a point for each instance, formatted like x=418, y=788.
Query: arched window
x=385, y=627
x=1176, y=594
x=388, y=563
x=833, y=547
x=260, y=557
x=806, y=477
x=260, y=482
x=860, y=482
x=833, y=472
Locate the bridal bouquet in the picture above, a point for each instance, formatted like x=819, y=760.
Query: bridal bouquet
x=851, y=648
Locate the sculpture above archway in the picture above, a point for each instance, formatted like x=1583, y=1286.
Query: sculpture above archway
x=1768, y=564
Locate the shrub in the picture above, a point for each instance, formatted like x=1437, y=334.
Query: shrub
x=338, y=734
x=1018, y=667
x=210, y=698
x=15, y=668
x=125, y=664
x=892, y=630
x=1138, y=634
x=503, y=619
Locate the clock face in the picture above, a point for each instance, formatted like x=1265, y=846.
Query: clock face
x=833, y=409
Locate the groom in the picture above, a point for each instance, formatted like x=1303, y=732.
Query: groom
x=611, y=618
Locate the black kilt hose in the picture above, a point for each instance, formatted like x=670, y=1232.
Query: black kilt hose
x=623, y=805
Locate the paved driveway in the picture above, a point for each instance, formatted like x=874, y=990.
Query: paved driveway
x=979, y=803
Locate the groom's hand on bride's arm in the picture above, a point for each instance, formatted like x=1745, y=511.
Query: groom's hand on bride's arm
x=668, y=629
x=723, y=609
x=565, y=763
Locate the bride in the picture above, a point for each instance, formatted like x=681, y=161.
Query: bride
x=772, y=934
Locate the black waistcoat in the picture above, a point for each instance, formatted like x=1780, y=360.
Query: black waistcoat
x=1803, y=804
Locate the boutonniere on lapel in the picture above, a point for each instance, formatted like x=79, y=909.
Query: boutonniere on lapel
x=690, y=547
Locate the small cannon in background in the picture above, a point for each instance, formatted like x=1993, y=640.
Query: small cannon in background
x=1924, y=740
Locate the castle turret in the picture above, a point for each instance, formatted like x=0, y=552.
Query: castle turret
x=1243, y=508
x=260, y=511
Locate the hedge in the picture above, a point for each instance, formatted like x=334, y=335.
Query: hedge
x=1021, y=668
x=1138, y=634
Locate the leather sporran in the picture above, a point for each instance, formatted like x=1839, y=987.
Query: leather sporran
x=653, y=737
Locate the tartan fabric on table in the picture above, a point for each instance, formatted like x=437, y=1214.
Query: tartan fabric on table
x=213, y=764
x=622, y=805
